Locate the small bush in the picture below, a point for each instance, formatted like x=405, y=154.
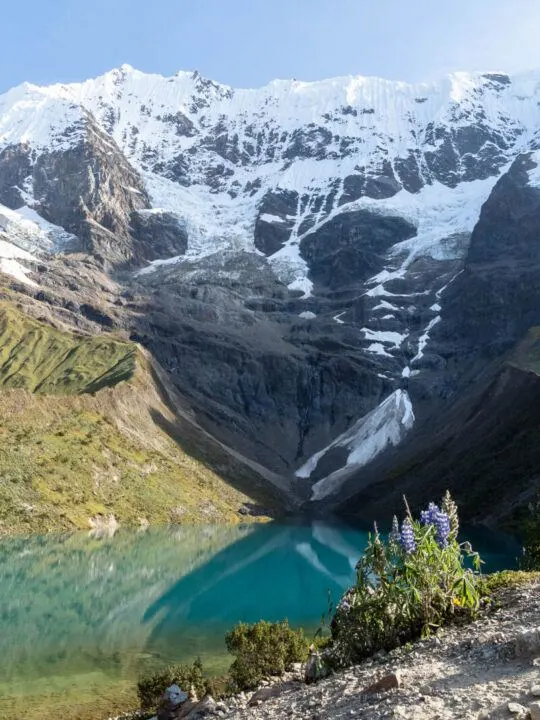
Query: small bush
x=150, y=688
x=531, y=539
x=406, y=586
x=263, y=650
x=491, y=584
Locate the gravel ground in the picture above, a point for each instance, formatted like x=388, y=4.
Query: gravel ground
x=469, y=672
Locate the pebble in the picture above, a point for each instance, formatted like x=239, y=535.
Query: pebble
x=535, y=690
x=534, y=710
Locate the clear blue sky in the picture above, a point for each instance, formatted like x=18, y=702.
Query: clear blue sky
x=249, y=42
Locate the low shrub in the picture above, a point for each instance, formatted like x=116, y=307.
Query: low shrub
x=406, y=586
x=188, y=677
x=263, y=650
x=491, y=584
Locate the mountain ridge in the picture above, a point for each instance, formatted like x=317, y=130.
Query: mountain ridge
x=293, y=256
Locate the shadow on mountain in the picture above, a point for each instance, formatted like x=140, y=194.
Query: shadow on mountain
x=196, y=442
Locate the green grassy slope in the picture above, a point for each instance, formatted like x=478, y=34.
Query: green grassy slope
x=41, y=359
x=78, y=437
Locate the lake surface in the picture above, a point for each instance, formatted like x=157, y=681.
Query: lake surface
x=82, y=617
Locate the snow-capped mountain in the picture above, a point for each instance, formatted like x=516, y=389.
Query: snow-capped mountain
x=288, y=251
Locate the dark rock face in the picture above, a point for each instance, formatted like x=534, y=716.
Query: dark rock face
x=183, y=125
x=478, y=429
x=91, y=191
x=259, y=381
x=409, y=171
x=271, y=234
x=369, y=184
x=497, y=296
x=351, y=247
x=15, y=169
x=484, y=447
x=309, y=142
x=158, y=235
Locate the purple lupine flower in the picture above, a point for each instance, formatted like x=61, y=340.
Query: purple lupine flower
x=429, y=516
x=408, y=543
x=442, y=529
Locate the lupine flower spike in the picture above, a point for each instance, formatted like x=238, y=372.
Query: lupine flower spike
x=442, y=529
x=395, y=535
x=408, y=542
x=450, y=508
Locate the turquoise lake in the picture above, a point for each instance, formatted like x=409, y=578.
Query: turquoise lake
x=82, y=617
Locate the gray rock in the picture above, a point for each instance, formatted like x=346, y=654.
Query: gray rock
x=91, y=190
x=173, y=704
x=527, y=644
x=316, y=669
x=206, y=707
x=517, y=709
x=158, y=235
x=347, y=249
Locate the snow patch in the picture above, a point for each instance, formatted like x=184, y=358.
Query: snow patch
x=383, y=305
x=27, y=229
x=378, y=349
x=381, y=336
x=534, y=174
x=265, y=217
x=10, y=257
x=424, y=338
x=386, y=425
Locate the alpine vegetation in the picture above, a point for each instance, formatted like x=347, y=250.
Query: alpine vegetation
x=407, y=586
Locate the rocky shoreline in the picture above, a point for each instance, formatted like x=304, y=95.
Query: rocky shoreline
x=485, y=670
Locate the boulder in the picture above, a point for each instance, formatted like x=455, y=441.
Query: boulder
x=316, y=668
x=517, y=709
x=172, y=703
x=527, y=644
x=207, y=706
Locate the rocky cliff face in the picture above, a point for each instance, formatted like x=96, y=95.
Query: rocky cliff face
x=320, y=267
